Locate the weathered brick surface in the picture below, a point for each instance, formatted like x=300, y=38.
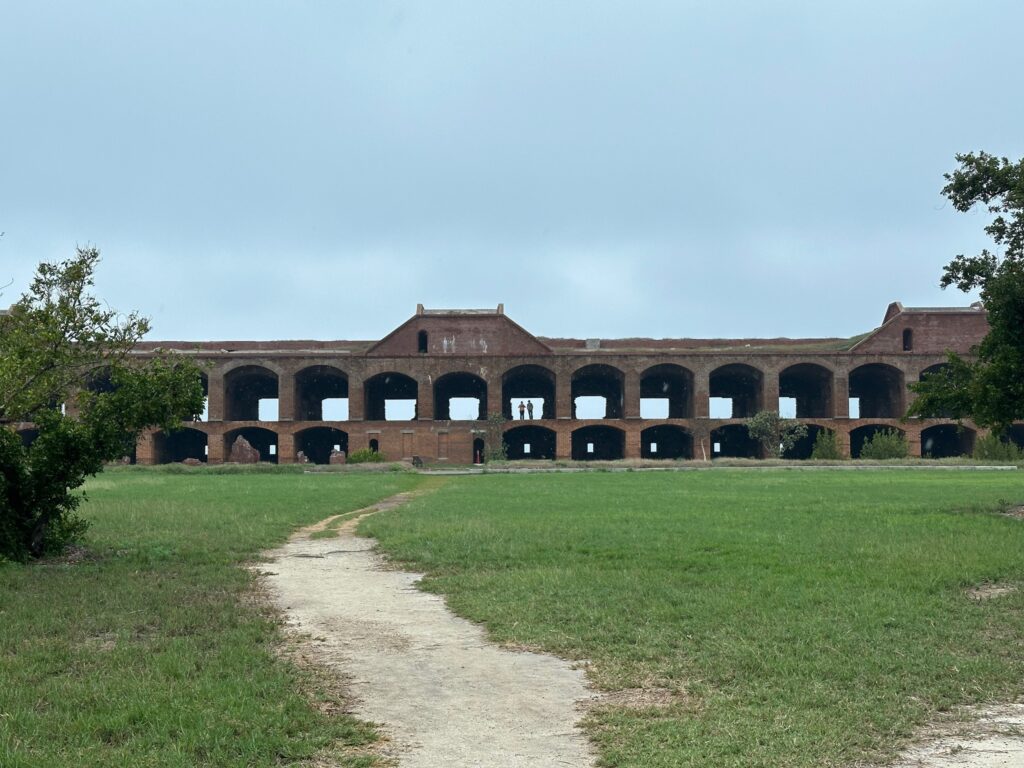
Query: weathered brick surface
x=488, y=345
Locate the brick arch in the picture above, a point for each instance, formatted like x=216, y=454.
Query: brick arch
x=525, y=382
x=599, y=380
x=244, y=387
x=671, y=440
x=672, y=382
x=812, y=386
x=313, y=385
x=741, y=382
x=458, y=384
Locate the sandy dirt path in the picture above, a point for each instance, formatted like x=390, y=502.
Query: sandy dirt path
x=443, y=695
x=987, y=738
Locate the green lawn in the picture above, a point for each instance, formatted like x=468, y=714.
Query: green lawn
x=805, y=618
x=150, y=651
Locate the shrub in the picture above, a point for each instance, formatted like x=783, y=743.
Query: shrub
x=366, y=456
x=885, y=444
x=775, y=434
x=991, y=447
x=826, y=447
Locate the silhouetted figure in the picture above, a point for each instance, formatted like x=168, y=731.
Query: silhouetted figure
x=522, y=410
x=529, y=409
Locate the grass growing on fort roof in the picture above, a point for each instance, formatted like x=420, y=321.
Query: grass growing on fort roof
x=775, y=618
x=148, y=650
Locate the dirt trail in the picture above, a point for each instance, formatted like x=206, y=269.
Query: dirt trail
x=988, y=738
x=443, y=694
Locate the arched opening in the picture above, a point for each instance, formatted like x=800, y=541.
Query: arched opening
x=250, y=394
x=478, y=450
x=733, y=441
x=666, y=392
x=28, y=436
x=321, y=394
x=173, y=447
x=809, y=386
x=598, y=443
x=390, y=397
x=666, y=441
x=946, y=440
x=317, y=443
x=735, y=391
x=860, y=435
x=1015, y=434
x=876, y=392
x=528, y=384
x=908, y=340
x=530, y=443
x=802, y=449
x=263, y=440
x=597, y=392
x=460, y=397
x=422, y=342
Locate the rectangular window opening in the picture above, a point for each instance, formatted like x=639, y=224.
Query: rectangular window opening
x=268, y=410
x=720, y=407
x=653, y=407
x=654, y=447
x=399, y=410
x=787, y=407
x=273, y=450
x=464, y=408
x=590, y=447
x=526, y=448
x=854, y=407
x=335, y=409
x=591, y=407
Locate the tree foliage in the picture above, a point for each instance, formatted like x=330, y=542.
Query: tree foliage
x=775, y=434
x=55, y=341
x=989, y=388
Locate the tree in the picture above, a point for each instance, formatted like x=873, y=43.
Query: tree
x=989, y=387
x=775, y=434
x=56, y=341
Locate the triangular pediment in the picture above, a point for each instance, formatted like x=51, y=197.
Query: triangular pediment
x=458, y=332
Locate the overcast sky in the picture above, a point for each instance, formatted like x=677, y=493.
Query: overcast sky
x=256, y=170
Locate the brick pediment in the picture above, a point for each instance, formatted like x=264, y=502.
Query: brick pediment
x=459, y=333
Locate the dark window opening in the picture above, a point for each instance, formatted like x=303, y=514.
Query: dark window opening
x=530, y=443
x=908, y=339
x=666, y=442
x=879, y=389
x=374, y=445
x=599, y=443
x=422, y=342
x=947, y=440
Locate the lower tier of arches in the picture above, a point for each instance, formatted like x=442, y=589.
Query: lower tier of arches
x=463, y=443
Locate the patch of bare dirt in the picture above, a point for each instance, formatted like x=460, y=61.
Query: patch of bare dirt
x=1017, y=512
x=990, y=591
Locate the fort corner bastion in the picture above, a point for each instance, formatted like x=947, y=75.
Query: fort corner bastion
x=659, y=398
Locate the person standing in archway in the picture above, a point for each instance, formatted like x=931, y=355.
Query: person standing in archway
x=529, y=409
x=522, y=410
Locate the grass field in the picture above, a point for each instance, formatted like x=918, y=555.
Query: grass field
x=150, y=650
x=799, y=618
x=780, y=618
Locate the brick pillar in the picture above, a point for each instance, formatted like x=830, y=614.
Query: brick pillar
x=632, y=446
x=841, y=399
x=631, y=400
x=913, y=433
x=563, y=441
x=701, y=390
x=842, y=438
x=701, y=431
x=214, y=448
x=356, y=399
x=285, y=448
x=285, y=398
x=425, y=399
x=493, y=404
x=145, y=448
x=770, y=391
x=563, y=396
x=215, y=395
